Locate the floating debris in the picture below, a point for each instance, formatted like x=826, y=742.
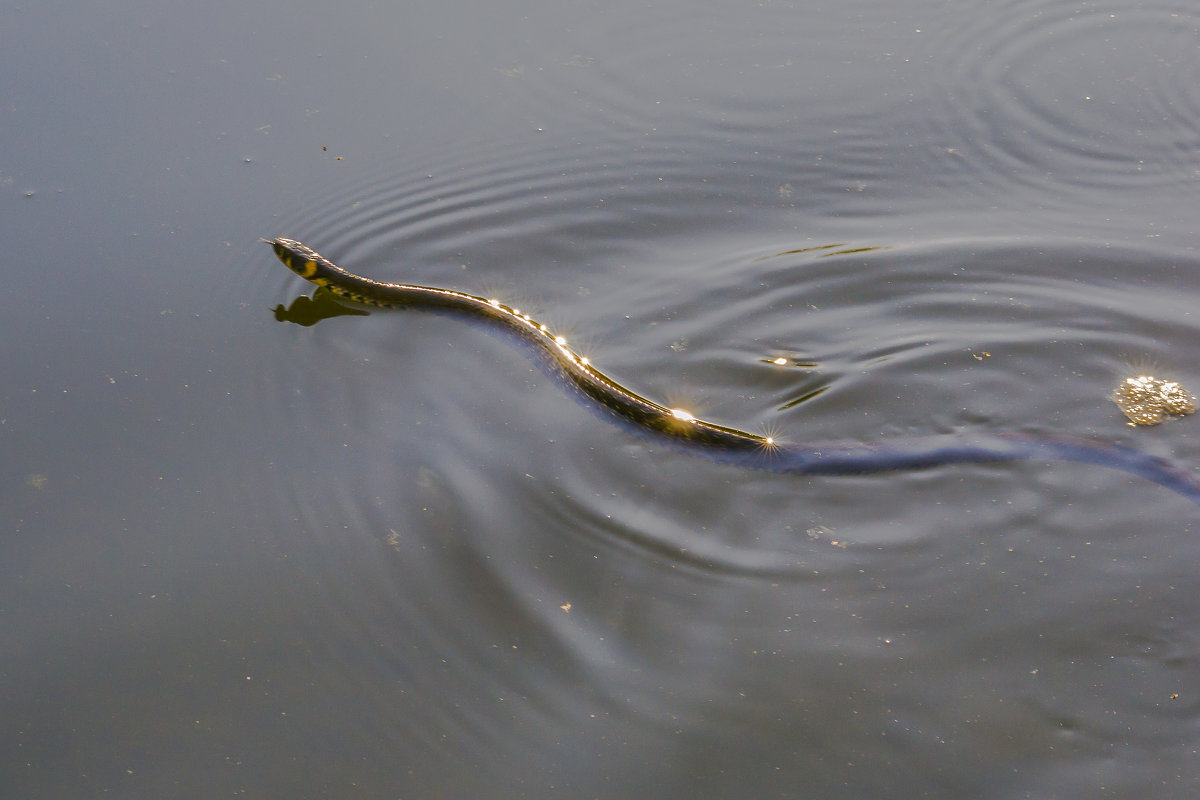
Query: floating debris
x=1146, y=400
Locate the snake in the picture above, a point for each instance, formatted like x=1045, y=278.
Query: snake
x=681, y=430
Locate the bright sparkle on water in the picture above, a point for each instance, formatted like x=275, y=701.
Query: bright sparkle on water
x=1146, y=400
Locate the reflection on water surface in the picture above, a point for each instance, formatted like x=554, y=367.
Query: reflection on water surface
x=382, y=555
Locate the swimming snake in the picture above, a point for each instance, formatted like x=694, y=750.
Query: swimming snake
x=720, y=443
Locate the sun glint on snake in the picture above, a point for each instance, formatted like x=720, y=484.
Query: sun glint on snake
x=730, y=445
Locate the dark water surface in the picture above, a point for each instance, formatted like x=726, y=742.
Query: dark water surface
x=385, y=556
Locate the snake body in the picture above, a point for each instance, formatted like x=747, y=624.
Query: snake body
x=718, y=442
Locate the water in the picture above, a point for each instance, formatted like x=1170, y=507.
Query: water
x=385, y=555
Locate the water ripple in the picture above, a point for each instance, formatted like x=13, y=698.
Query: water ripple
x=487, y=555
x=1092, y=95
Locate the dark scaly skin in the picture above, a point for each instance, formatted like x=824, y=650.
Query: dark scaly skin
x=730, y=445
x=580, y=374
